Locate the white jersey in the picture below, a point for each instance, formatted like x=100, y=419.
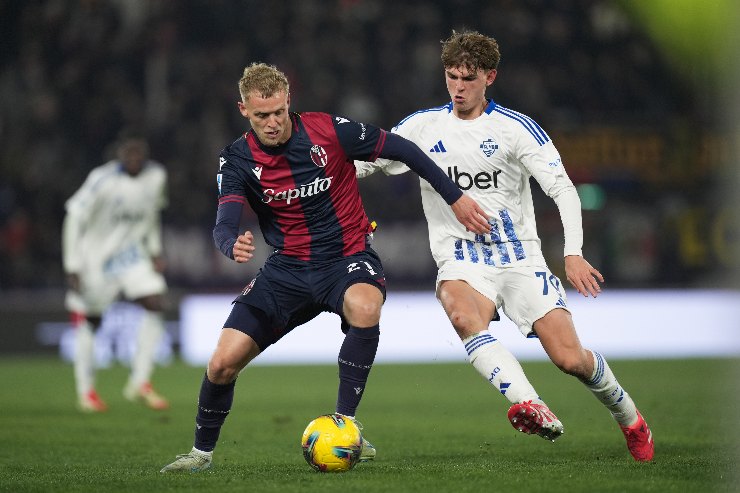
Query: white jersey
x=490, y=158
x=114, y=219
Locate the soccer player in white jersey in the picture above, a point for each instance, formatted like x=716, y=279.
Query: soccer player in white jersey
x=112, y=249
x=491, y=152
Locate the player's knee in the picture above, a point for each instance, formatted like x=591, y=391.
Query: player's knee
x=220, y=371
x=363, y=312
x=571, y=364
x=362, y=304
x=461, y=321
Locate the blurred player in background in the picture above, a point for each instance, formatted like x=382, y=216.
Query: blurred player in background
x=491, y=152
x=112, y=249
x=296, y=172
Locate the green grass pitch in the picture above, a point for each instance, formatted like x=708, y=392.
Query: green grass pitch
x=437, y=428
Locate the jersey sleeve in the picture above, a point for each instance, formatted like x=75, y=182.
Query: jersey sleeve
x=232, y=190
x=163, y=199
x=388, y=166
x=360, y=141
x=71, y=254
x=230, y=179
x=569, y=206
x=154, y=235
x=82, y=202
x=544, y=163
x=78, y=209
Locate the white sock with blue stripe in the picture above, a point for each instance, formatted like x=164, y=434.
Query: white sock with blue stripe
x=605, y=387
x=497, y=365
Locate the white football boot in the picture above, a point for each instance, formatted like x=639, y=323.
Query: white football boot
x=194, y=461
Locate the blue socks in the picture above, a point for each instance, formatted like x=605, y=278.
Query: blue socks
x=355, y=361
x=214, y=404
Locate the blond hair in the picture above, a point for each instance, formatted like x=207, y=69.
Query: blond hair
x=471, y=50
x=265, y=79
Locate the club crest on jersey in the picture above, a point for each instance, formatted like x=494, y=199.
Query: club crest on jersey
x=489, y=146
x=318, y=156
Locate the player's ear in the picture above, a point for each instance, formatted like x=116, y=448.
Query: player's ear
x=242, y=109
x=287, y=101
x=490, y=77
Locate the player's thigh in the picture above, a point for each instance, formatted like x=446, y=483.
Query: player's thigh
x=468, y=291
x=529, y=293
x=256, y=315
x=97, y=292
x=362, y=303
x=469, y=311
x=277, y=300
x=234, y=351
x=353, y=287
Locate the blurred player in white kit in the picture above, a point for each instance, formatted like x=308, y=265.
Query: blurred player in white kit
x=112, y=250
x=491, y=152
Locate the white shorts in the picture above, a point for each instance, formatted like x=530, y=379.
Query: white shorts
x=99, y=290
x=525, y=294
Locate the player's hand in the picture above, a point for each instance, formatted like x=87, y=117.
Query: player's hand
x=583, y=276
x=243, y=247
x=73, y=281
x=470, y=215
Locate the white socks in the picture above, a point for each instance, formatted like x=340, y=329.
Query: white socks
x=149, y=336
x=605, y=387
x=84, y=358
x=497, y=365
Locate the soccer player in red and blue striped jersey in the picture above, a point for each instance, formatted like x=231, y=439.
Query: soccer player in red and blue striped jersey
x=296, y=172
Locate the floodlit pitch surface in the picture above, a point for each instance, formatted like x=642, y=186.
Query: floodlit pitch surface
x=437, y=427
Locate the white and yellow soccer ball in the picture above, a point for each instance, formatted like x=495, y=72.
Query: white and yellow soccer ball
x=332, y=443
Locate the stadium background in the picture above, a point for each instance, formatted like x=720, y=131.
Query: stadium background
x=639, y=97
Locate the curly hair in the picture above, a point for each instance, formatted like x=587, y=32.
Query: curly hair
x=263, y=78
x=470, y=49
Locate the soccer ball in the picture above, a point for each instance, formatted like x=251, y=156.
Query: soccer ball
x=332, y=443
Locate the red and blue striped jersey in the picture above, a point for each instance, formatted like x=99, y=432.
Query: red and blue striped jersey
x=304, y=192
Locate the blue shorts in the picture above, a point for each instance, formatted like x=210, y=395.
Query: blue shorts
x=288, y=292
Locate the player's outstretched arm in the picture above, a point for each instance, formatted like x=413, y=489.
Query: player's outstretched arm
x=470, y=215
x=583, y=276
x=467, y=211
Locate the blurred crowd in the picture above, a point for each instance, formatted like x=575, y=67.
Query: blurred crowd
x=75, y=73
